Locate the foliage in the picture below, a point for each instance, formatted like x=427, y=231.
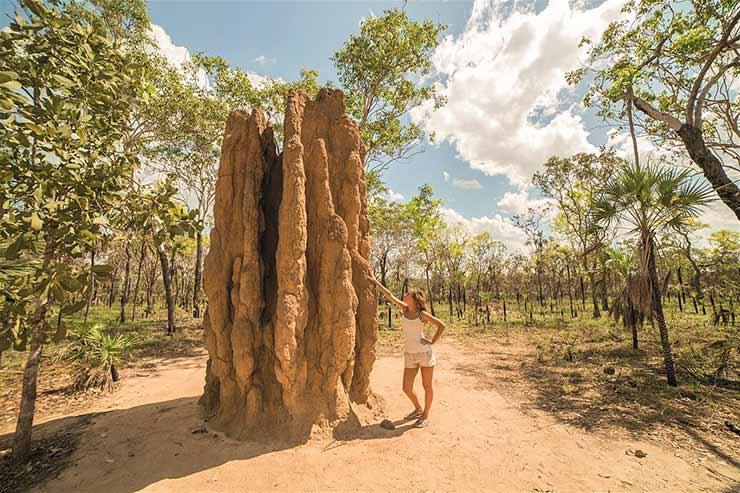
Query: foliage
x=678, y=64
x=96, y=355
x=380, y=70
x=65, y=100
x=234, y=89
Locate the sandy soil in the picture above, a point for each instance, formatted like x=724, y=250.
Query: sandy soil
x=142, y=438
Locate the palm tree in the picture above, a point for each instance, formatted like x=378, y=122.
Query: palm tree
x=648, y=200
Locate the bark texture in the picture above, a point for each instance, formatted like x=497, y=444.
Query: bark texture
x=291, y=320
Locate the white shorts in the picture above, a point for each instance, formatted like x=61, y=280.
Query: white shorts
x=425, y=359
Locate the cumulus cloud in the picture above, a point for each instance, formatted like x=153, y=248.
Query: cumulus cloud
x=520, y=202
x=509, y=107
x=500, y=228
x=718, y=216
x=467, y=184
x=177, y=56
x=393, y=196
x=263, y=60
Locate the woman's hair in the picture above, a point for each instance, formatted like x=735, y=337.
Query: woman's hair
x=419, y=299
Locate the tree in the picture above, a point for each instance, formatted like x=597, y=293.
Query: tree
x=572, y=183
x=186, y=142
x=389, y=234
x=167, y=219
x=650, y=199
x=426, y=224
x=531, y=224
x=678, y=66
x=65, y=96
x=378, y=70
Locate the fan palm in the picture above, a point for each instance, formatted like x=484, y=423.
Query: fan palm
x=650, y=199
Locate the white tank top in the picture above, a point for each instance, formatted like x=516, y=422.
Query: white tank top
x=413, y=331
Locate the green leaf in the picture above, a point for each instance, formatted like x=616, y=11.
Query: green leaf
x=36, y=222
x=102, y=270
x=74, y=308
x=63, y=80
x=37, y=129
x=65, y=130
x=13, y=85
x=70, y=283
x=7, y=75
x=57, y=292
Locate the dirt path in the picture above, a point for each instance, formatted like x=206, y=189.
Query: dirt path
x=479, y=440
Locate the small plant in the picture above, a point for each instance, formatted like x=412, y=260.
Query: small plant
x=97, y=355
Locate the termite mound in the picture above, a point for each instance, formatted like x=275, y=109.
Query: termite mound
x=291, y=322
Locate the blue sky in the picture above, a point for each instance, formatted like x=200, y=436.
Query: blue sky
x=501, y=65
x=290, y=35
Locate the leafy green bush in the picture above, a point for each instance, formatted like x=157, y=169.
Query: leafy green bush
x=96, y=354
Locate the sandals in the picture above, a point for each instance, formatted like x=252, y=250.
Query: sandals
x=421, y=423
x=413, y=415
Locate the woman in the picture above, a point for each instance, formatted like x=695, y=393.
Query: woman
x=418, y=350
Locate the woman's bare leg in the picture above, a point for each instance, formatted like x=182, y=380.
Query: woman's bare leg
x=409, y=375
x=427, y=375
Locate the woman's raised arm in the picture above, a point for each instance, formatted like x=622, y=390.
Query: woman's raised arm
x=387, y=293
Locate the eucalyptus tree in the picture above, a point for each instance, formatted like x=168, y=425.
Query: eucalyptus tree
x=167, y=219
x=571, y=183
x=485, y=264
x=426, y=224
x=453, y=243
x=391, y=239
x=65, y=95
x=648, y=200
x=678, y=64
x=379, y=70
x=531, y=224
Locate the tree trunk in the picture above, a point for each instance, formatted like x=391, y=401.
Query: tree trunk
x=150, y=287
x=658, y=308
x=429, y=290
x=592, y=281
x=24, y=426
x=92, y=286
x=604, y=287
x=711, y=166
x=570, y=295
x=198, y=274
x=126, y=283
x=166, y=280
x=142, y=256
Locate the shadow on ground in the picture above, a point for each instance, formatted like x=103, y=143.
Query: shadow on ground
x=606, y=388
x=126, y=450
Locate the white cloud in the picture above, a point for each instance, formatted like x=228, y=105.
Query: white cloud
x=177, y=56
x=500, y=228
x=393, y=196
x=509, y=107
x=263, y=60
x=467, y=184
x=520, y=202
x=446, y=176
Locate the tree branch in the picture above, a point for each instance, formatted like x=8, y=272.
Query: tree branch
x=649, y=110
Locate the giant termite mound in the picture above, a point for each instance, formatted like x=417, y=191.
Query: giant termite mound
x=290, y=326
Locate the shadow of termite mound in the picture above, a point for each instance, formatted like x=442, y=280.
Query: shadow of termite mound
x=291, y=323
